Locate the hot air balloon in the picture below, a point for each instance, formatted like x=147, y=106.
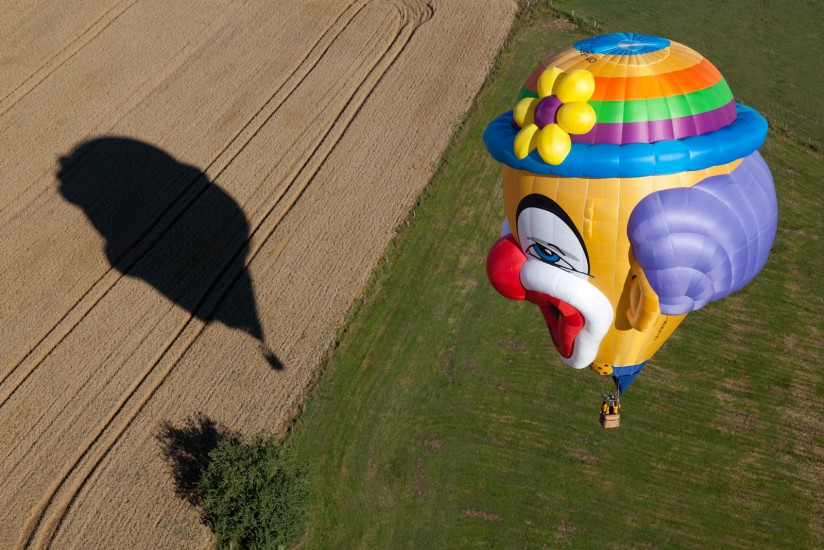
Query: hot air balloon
x=634, y=194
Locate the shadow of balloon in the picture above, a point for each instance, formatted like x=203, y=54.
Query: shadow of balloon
x=165, y=223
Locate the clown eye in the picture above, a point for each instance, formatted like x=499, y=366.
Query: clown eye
x=548, y=235
x=543, y=253
x=546, y=254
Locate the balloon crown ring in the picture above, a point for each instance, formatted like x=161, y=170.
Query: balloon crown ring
x=560, y=109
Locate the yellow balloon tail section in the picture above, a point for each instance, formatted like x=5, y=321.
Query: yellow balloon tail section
x=631, y=347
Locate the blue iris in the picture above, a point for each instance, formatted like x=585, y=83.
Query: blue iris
x=545, y=254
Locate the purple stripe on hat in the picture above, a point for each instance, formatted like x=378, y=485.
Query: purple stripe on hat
x=620, y=133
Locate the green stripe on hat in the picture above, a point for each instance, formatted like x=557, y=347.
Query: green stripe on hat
x=659, y=108
x=663, y=108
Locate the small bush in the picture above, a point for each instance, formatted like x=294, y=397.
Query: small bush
x=253, y=495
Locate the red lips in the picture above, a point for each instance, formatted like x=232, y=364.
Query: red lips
x=503, y=267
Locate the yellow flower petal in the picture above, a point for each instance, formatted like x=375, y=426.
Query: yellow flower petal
x=576, y=117
x=547, y=80
x=553, y=144
x=577, y=86
x=524, y=113
x=526, y=141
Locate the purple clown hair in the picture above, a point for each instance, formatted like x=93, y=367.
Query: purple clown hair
x=699, y=244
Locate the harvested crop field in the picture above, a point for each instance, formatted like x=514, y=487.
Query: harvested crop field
x=193, y=195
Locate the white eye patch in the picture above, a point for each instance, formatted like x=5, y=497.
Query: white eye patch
x=547, y=237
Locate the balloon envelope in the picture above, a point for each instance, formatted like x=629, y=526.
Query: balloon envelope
x=663, y=206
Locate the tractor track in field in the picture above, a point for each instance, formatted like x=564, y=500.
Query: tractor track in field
x=105, y=355
x=155, y=231
x=355, y=101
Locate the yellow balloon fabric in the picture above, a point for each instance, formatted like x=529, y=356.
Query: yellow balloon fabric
x=600, y=210
x=547, y=81
x=524, y=112
x=526, y=140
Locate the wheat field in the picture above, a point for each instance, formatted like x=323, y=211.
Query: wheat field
x=193, y=195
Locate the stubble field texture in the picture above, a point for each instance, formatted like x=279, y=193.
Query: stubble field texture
x=194, y=193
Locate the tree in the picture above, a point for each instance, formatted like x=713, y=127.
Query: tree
x=254, y=495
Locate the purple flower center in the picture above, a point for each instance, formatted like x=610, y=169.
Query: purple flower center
x=546, y=109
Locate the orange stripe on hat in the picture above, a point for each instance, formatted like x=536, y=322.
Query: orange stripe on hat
x=692, y=79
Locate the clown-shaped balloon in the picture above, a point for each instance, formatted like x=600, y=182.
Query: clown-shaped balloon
x=634, y=193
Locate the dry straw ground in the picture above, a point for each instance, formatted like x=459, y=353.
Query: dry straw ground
x=193, y=195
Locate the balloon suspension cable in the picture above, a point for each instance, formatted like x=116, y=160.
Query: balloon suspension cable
x=610, y=407
x=606, y=385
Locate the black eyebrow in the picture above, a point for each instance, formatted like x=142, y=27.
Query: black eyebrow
x=575, y=271
x=543, y=202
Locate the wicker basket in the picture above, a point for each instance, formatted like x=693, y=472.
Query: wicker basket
x=610, y=420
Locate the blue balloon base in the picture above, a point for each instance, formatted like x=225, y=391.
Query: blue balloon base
x=623, y=376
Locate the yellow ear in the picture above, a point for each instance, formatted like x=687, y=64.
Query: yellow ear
x=644, y=309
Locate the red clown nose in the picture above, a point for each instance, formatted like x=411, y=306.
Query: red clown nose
x=503, y=267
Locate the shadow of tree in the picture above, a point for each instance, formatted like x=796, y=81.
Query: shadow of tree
x=186, y=449
x=167, y=224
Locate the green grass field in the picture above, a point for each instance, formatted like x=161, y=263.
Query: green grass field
x=444, y=418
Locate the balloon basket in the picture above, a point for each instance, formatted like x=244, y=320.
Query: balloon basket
x=611, y=411
x=610, y=420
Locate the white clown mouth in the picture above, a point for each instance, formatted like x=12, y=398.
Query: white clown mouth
x=578, y=315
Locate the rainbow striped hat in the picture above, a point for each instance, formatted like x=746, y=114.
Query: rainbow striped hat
x=624, y=105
